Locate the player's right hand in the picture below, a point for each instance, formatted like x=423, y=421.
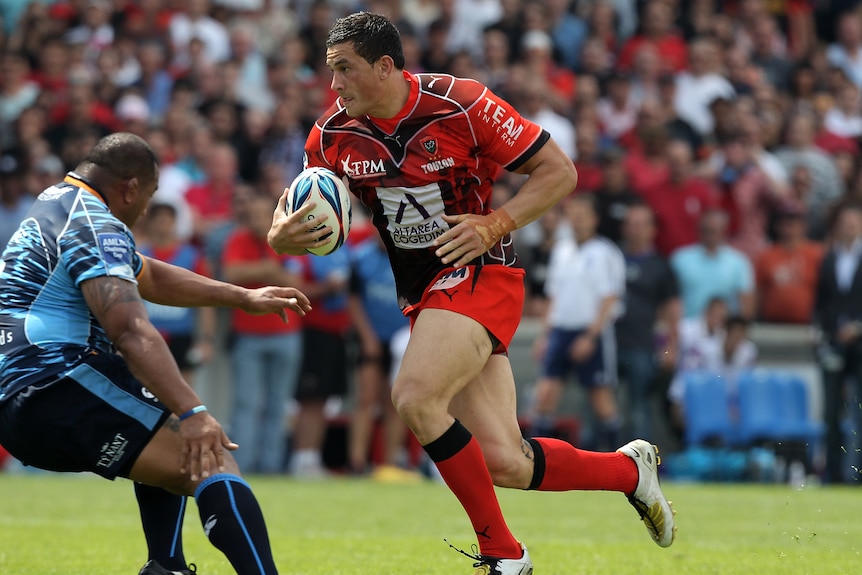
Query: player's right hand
x=291, y=233
x=204, y=441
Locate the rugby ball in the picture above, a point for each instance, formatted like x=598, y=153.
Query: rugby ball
x=328, y=191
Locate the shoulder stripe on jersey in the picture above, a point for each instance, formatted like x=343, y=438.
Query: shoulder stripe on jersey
x=529, y=152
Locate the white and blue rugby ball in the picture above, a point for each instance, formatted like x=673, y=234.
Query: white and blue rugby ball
x=332, y=197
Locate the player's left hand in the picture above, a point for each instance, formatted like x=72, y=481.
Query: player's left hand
x=471, y=236
x=275, y=299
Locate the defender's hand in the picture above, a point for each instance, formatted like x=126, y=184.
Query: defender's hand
x=204, y=442
x=275, y=299
x=471, y=236
x=292, y=233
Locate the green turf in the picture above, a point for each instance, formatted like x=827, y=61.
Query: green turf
x=80, y=525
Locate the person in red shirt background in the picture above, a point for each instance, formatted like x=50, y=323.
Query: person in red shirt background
x=265, y=351
x=657, y=30
x=679, y=200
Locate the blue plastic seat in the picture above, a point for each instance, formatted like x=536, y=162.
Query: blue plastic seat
x=707, y=409
x=761, y=406
x=796, y=421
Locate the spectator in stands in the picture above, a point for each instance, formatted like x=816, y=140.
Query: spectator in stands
x=838, y=317
x=537, y=58
x=657, y=30
x=787, y=271
x=496, y=53
x=155, y=82
x=17, y=93
x=680, y=200
x=773, y=62
x=588, y=156
x=700, y=85
x=94, y=31
x=285, y=140
x=210, y=200
x=753, y=128
x=80, y=115
x=14, y=201
x=189, y=332
x=647, y=163
x=586, y=281
x=646, y=71
x=617, y=110
x=846, y=52
x=614, y=197
x=652, y=313
x=746, y=194
x=251, y=89
x=266, y=352
x=712, y=268
x=799, y=150
x=844, y=118
x=715, y=342
x=533, y=103
x=192, y=21
x=568, y=32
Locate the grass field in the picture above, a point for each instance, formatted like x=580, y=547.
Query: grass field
x=81, y=525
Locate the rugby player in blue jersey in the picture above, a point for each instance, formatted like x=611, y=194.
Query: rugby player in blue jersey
x=88, y=384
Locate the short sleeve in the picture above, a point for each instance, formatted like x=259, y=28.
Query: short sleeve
x=96, y=244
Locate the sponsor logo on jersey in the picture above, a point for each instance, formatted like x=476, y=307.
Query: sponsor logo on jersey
x=499, y=117
x=117, y=254
x=414, y=215
x=53, y=193
x=362, y=168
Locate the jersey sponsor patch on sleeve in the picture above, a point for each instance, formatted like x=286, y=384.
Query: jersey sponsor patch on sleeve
x=117, y=253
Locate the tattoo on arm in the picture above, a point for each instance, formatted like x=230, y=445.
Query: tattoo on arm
x=527, y=449
x=104, y=293
x=173, y=423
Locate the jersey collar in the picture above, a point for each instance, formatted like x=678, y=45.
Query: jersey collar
x=388, y=125
x=77, y=179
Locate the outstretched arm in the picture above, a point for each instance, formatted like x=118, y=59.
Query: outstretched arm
x=167, y=284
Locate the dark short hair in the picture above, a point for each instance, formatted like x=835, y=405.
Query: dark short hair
x=372, y=35
x=124, y=156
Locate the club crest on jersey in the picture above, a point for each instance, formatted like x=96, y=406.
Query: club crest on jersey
x=429, y=143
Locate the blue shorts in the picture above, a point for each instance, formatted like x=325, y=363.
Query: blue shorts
x=98, y=418
x=596, y=371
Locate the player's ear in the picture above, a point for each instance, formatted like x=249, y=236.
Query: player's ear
x=131, y=188
x=385, y=66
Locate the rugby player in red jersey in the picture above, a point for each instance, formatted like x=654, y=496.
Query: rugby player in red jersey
x=422, y=152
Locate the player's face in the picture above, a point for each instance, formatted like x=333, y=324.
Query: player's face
x=357, y=82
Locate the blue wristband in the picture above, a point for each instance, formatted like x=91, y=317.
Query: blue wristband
x=193, y=411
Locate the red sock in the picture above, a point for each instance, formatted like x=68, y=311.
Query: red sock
x=567, y=468
x=468, y=478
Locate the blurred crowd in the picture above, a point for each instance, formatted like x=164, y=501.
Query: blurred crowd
x=736, y=123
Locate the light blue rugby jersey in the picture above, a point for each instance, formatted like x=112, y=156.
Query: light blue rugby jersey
x=46, y=327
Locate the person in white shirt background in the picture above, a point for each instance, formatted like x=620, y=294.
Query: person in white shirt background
x=585, y=284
